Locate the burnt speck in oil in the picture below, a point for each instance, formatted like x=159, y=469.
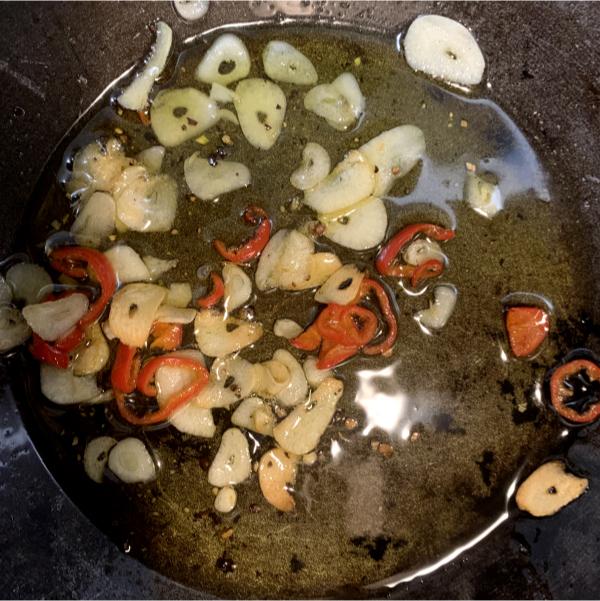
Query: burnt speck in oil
x=507, y=387
x=296, y=564
x=444, y=422
x=485, y=467
x=376, y=547
x=225, y=564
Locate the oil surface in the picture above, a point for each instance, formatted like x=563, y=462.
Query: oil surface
x=461, y=416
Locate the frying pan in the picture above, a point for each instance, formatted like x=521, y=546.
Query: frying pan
x=543, y=66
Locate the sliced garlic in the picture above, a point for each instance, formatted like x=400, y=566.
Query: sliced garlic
x=180, y=114
x=315, y=167
x=282, y=62
x=225, y=61
x=96, y=219
x=95, y=169
x=133, y=310
x=28, y=282
x=422, y=250
x=238, y=287
x=135, y=95
x=179, y=295
x=191, y=10
x=270, y=377
x=168, y=314
x=95, y=456
x=207, y=180
x=6, y=293
x=194, y=420
x=235, y=372
x=314, y=375
x=287, y=328
x=218, y=335
x=13, y=328
x=393, y=153
x=94, y=355
x=221, y=94
x=340, y=103
x=296, y=387
x=131, y=462
x=260, y=106
x=549, y=489
x=54, y=319
x=254, y=414
x=127, y=264
x=352, y=180
x=144, y=202
x=444, y=49
x=342, y=287
x=300, y=432
x=232, y=463
x=321, y=267
x=226, y=500
x=152, y=158
x=483, y=197
x=276, y=476
x=440, y=310
x=266, y=271
x=227, y=115
x=361, y=228
x=158, y=267
x=63, y=388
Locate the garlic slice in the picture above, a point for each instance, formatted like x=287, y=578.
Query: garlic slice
x=315, y=167
x=179, y=295
x=94, y=355
x=226, y=499
x=63, y=388
x=549, y=489
x=95, y=456
x=232, y=463
x=260, y=106
x=152, y=158
x=444, y=49
x=287, y=328
x=221, y=94
x=135, y=95
x=340, y=103
x=131, y=462
x=393, y=153
x=95, y=220
x=483, y=197
x=300, y=432
x=28, y=282
x=315, y=376
x=254, y=414
x=208, y=181
x=194, y=420
x=440, y=310
x=95, y=169
x=360, y=228
x=342, y=287
x=225, y=61
x=127, y=264
x=158, y=267
x=276, y=476
x=296, y=387
x=191, y=10
x=6, y=293
x=168, y=314
x=13, y=328
x=144, y=202
x=238, y=287
x=218, y=335
x=421, y=250
x=352, y=180
x=54, y=319
x=133, y=310
x=282, y=62
x=180, y=114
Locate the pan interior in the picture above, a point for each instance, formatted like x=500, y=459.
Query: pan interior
x=461, y=415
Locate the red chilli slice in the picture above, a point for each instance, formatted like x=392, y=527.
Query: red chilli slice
x=527, y=328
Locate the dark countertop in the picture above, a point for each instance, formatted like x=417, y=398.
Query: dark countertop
x=47, y=547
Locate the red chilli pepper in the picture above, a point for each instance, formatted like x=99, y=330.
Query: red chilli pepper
x=332, y=354
x=565, y=380
x=309, y=340
x=251, y=249
x=48, y=353
x=425, y=271
x=80, y=262
x=387, y=262
x=123, y=376
x=527, y=328
x=174, y=402
x=215, y=295
x=371, y=286
x=347, y=325
x=167, y=336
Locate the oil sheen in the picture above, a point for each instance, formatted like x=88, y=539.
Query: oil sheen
x=458, y=413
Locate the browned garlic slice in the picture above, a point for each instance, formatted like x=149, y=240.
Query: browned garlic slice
x=276, y=476
x=232, y=463
x=300, y=432
x=549, y=489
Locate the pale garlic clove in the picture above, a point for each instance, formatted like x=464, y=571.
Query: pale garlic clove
x=254, y=414
x=28, y=282
x=95, y=457
x=194, y=420
x=283, y=62
x=314, y=375
x=238, y=287
x=437, y=315
x=94, y=354
x=226, y=500
x=276, y=476
x=287, y=328
x=131, y=462
x=548, y=489
x=63, y=388
x=227, y=60
x=158, y=267
x=13, y=328
x=300, y=432
x=216, y=339
x=208, y=180
x=421, y=250
x=127, y=264
x=483, y=196
x=95, y=220
x=179, y=295
x=342, y=287
x=232, y=463
x=191, y=10
x=295, y=389
x=54, y=319
x=152, y=158
x=314, y=168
